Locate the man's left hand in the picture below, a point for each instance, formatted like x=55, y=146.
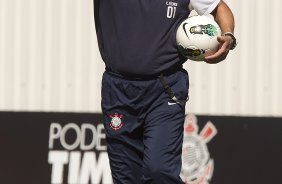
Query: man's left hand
x=225, y=43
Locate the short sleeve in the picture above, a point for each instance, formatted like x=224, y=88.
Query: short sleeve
x=203, y=7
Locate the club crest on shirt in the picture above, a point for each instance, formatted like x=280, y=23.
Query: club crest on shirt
x=197, y=166
x=116, y=121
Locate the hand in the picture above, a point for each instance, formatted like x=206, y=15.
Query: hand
x=225, y=43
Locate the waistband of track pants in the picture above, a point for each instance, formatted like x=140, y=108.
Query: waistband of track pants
x=166, y=72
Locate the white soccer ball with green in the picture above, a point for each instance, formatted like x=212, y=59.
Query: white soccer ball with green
x=196, y=37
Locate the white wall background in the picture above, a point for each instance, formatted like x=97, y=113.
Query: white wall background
x=49, y=61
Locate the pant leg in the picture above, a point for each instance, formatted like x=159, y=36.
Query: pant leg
x=163, y=135
x=123, y=129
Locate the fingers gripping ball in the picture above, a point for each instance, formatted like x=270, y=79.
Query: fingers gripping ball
x=196, y=37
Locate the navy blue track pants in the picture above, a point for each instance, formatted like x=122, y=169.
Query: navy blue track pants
x=144, y=128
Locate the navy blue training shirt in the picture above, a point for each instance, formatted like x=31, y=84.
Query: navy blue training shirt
x=137, y=37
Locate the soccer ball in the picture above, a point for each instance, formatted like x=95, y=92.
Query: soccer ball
x=196, y=37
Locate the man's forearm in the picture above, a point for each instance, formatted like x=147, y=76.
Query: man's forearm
x=224, y=17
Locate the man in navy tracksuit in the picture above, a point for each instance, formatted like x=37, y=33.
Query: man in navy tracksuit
x=144, y=87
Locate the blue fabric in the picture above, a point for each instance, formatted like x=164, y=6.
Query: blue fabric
x=138, y=37
x=144, y=128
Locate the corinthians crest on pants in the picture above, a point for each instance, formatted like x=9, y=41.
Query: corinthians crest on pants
x=197, y=166
x=116, y=121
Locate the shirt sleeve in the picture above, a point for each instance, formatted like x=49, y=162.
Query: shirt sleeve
x=203, y=7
